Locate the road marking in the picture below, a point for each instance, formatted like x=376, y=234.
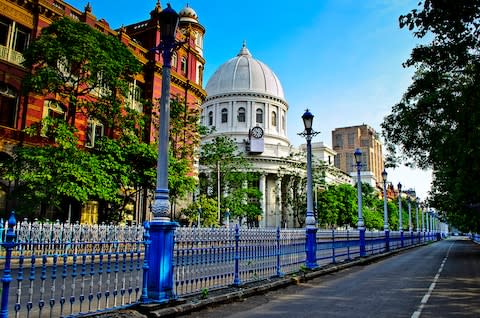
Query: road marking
x=425, y=298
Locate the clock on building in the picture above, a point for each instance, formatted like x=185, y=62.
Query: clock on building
x=257, y=132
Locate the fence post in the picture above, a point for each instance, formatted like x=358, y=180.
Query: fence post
x=333, y=246
x=279, y=271
x=311, y=247
x=146, y=241
x=7, y=278
x=348, y=244
x=236, y=280
x=387, y=240
x=160, y=272
x=362, y=242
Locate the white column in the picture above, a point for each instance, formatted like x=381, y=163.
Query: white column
x=263, y=190
x=278, y=201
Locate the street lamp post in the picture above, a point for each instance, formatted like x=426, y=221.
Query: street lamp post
x=160, y=273
x=410, y=225
x=227, y=216
x=422, y=211
x=385, y=211
x=360, y=224
x=310, y=223
x=417, y=227
x=400, y=225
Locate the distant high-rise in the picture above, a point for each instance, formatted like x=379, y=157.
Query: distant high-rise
x=346, y=139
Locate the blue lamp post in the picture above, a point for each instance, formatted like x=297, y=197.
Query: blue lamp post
x=310, y=223
x=360, y=224
x=385, y=211
x=227, y=216
x=400, y=225
x=160, y=274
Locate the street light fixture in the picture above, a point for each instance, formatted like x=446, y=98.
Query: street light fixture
x=310, y=223
x=160, y=264
x=385, y=211
x=400, y=225
x=360, y=224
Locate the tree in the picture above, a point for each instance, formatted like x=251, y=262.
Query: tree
x=221, y=158
x=73, y=61
x=82, y=71
x=206, y=207
x=436, y=123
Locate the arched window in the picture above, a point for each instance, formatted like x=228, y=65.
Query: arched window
x=241, y=115
x=184, y=65
x=259, y=115
x=283, y=122
x=199, y=79
x=274, y=119
x=210, y=118
x=224, y=115
x=174, y=61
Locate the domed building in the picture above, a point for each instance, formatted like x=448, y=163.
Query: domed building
x=245, y=101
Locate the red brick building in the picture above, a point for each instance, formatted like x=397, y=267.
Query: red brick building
x=21, y=22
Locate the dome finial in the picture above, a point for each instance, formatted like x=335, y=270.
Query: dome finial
x=244, y=50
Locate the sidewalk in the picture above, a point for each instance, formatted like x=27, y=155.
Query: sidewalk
x=231, y=294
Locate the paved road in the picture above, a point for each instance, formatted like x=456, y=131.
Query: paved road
x=438, y=280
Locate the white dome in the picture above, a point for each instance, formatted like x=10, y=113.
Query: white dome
x=187, y=14
x=243, y=73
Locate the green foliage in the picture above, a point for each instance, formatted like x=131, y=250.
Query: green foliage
x=72, y=60
x=180, y=181
x=208, y=212
x=238, y=185
x=436, y=122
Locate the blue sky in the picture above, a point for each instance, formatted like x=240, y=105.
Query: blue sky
x=342, y=59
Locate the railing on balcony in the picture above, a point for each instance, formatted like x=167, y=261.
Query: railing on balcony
x=10, y=55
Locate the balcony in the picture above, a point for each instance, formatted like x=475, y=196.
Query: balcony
x=11, y=55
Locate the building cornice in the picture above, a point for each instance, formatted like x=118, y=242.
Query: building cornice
x=247, y=94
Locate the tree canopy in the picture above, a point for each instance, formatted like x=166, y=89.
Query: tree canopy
x=437, y=123
x=88, y=75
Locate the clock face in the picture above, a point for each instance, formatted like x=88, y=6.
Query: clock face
x=257, y=132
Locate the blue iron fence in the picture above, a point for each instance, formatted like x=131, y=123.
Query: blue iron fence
x=61, y=270
x=66, y=270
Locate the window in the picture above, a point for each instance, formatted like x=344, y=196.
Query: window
x=224, y=115
x=14, y=39
x=8, y=105
x=210, y=118
x=339, y=141
x=259, y=115
x=52, y=109
x=94, y=132
x=336, y=160
x=184, y=65
x=351, y=165
x=351, y=139
x=199, y=74
x=283, y=122
x=20, y=40
x=135, y=94
x=241, y=115
x=3, y=33
x=274, y=119
x=174, y=61
x=198, y=39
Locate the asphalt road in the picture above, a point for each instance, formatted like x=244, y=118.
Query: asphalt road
x=438, y=280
